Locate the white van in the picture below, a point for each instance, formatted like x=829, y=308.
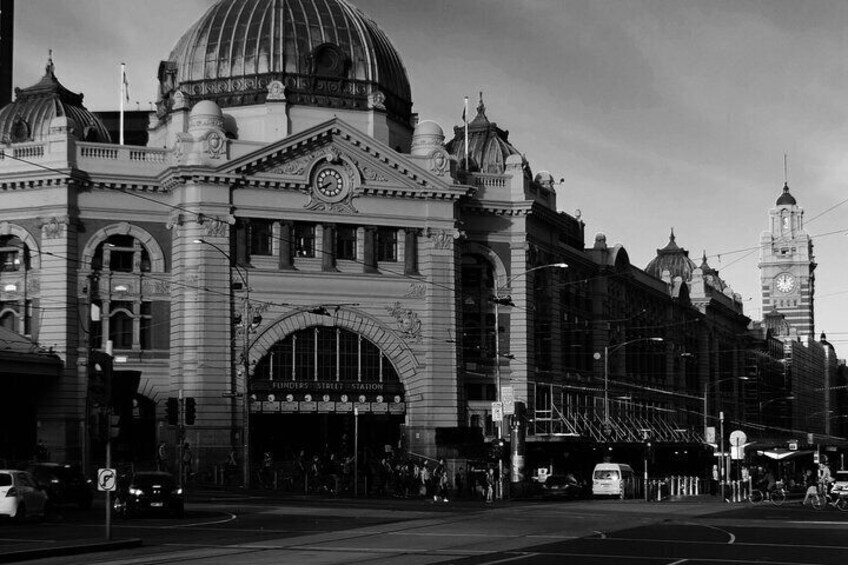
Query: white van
x=612, y=479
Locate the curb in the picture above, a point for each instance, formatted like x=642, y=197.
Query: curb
x=61, y=550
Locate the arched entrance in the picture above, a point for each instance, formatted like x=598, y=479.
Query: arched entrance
x=318, y=391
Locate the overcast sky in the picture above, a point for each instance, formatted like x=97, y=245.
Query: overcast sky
x=658, y=113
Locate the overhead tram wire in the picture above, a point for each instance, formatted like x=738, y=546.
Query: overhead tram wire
x=205, y=217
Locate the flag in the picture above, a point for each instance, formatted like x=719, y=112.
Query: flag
x=125, y=83
x=463, y=114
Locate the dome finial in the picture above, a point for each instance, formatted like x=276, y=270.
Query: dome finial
x=48, y=70
x=671, y=237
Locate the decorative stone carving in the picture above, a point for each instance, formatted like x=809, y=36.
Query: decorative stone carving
x=214, y=144
x=439, y=162
x=216, y=227
x=443, y=239
x=180, y=100
x=408, y=323
x=332, y=154
x=33, y=284
x=54, y=228
x=295, y=167
x=175, y=220
x=276, y=91
x=376, y=101
x=161, y=287
x=416, y=290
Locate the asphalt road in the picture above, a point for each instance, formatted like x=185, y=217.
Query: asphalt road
x=239, y=530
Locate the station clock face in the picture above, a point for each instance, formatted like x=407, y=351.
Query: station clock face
x=784, y=282
x=330, y=182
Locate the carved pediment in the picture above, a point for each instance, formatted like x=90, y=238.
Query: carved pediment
x=368, y=165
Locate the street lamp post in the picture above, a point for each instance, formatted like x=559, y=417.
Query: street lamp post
x=507, y=301
x=245, y=350
x=722, y=465
x=607, y=351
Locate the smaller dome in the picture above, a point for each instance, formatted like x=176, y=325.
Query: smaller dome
x=545, y=178
x=673, y=259
x=786, y=199
x=427, y=136
x=429, y=127
x=711, y=275
x=205, y=115
x=32, y=116
x=488, y=145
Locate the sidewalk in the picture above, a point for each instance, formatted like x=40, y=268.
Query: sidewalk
x=75, y=547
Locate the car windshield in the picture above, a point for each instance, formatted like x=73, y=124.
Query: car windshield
x=606, y=474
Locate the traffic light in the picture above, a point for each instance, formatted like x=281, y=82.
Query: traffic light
x=190, y=410
x=172, y=411
x=496, y=449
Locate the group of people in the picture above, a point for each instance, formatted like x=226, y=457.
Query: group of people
x=812, y=480
x=329, y=472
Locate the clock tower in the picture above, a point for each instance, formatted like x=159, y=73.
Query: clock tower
x=786, y=265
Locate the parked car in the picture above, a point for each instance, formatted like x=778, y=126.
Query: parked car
x=562, y=486
x=840, y=483
x=65, y=484
x=148, y=492
x=612, y=479
x=21, y=496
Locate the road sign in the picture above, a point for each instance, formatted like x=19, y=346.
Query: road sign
x=793, y=446
x=106, y=479
x=508, y=400
x=710, y=435
x=738, y=438
x=497, y=412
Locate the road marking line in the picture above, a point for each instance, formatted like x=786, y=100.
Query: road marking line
x=732, y=537
x=230, y=517
x=678, y=562
x=509, y=559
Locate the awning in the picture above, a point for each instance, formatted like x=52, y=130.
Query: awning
x=782, y=454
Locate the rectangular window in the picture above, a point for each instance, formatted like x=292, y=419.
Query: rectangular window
x=304, y=240
x=346, y=243
x=387, y=242
x=261, y=234
x=146, y=326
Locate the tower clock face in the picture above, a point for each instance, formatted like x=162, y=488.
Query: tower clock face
x=784, y=282
x=329, y=182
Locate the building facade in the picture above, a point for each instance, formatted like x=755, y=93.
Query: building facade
x=314, y=267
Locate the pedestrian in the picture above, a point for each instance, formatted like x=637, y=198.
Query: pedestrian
x=490, y=485
x=187, y=461
x=267, y=477
x=162, y=457
x=458, y=481
x=811, y=482
x=231, y=467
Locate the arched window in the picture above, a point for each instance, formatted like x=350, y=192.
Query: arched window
x=121, y=254
x=326, y=354
x=14, y=254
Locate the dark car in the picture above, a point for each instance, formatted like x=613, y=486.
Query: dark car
x=148, y=492
x=563, y=486
x=65, y=484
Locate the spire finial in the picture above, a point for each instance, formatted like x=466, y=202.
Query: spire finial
x=48, y=70
x=671, y=237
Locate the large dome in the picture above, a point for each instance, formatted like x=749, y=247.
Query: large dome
x=324, y=52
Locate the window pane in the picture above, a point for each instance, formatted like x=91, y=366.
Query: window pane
x=260, y=237
x=346, y=243
x=121, y=330
x=304, y=358
x=304, y=240
x=370, y=362
x=348, y=356
x=386, y=244
x=326, y=354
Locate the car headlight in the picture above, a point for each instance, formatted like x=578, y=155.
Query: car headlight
x=177, y=491
x=136, y=491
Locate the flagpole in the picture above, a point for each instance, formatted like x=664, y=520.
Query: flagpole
x=465, y=119
x=123, y=96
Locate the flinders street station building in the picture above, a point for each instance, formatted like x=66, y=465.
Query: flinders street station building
x=287, y=250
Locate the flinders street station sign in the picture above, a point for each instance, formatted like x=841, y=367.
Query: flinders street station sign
x=269, y=397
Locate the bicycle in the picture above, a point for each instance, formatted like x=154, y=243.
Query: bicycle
x=820, y=501
x=776, y=496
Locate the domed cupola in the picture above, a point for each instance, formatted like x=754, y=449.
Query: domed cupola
x=322, y=53
x=711, y=275
x=786, y=199
x=673, y=259
x=488, y=145
x=32, y=114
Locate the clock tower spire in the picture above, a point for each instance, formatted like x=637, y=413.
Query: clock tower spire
x=787, y=282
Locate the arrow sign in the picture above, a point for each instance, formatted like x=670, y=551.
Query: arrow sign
x=106, y=479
